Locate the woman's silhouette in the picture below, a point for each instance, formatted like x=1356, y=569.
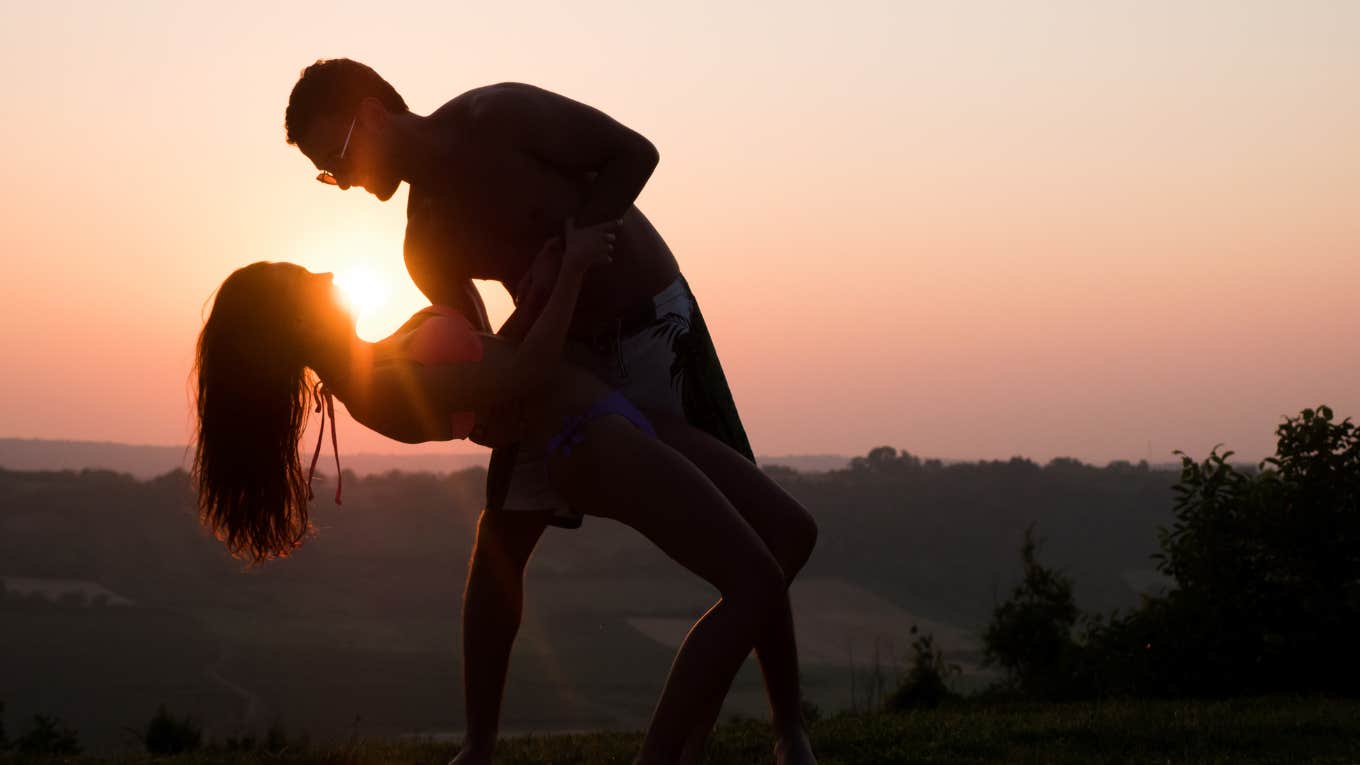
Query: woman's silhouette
x=278, y=340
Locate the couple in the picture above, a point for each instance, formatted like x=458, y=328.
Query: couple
x=600, y=395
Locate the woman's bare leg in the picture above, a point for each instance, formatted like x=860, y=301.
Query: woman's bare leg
x=621, y=473
x=790, y=533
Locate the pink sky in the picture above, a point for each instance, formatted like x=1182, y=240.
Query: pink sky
x=970, y=230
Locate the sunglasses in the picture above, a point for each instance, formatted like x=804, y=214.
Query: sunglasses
x=325, y=176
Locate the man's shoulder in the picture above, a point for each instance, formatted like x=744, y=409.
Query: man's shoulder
x=506, y=100
x=475, y=101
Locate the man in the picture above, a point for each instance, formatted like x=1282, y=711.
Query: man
x=493, y=174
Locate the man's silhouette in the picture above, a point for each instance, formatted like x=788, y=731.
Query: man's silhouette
x=493, y=174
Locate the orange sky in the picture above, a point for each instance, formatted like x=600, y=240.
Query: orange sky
x=970, y=230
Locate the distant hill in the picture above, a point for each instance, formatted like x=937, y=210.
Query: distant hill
x=114, y=599
x=807, y=463
x=150, y=461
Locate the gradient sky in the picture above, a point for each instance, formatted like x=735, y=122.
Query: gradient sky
x=1103, y=230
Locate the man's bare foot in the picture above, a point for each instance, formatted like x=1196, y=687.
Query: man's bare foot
x=472, y=756
x=794, y=749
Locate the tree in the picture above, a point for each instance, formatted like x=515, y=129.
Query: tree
x=169, y=735
x=1267, y=564
x=48, y=737
x=1030, y=635
x=926, y=683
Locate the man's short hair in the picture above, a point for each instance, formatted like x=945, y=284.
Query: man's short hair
x=335, y=86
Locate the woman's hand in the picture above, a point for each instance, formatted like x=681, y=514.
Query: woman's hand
x=536, y=284
x=589, y=246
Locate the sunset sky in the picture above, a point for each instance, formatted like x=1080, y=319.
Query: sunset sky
x=1103, y=230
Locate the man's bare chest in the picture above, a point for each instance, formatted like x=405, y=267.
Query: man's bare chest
x=508, y=197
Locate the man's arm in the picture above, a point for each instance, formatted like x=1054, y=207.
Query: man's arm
x=435, y=271
x=576, y=139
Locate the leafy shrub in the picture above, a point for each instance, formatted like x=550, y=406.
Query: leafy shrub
x=169, y=735
x=243, y=743
x=277, y=741
x=1031, y=635
x=1267, y=598
x=1267, y=565
x=48, y=737
x=811, y=712
x=926, y=682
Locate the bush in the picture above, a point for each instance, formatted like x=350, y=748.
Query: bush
x=168, y=735
x=48, y=737
x=1267, y=598
x=811, y=712
x=926, y=683
x=1030, y=635
x=1267, y=566
x=243, y=743
x=276, y=740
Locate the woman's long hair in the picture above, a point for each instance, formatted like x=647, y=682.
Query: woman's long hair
x=252, y=399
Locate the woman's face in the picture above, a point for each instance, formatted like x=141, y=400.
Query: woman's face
x=320, y=306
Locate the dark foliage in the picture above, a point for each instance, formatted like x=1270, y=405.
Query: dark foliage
x=1266, y=565
x=277, y=740
x=1030, y=635
x=926, y=682
x=931, y=538
x=48, y=736
x=171, y=735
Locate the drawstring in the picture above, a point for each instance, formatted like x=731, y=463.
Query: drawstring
x=322, y=394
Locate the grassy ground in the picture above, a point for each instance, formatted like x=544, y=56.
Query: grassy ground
x=1238, y=732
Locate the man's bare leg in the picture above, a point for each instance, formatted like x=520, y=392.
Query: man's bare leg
x=492, y=605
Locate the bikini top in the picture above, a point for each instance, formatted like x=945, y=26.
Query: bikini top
x=434, y=335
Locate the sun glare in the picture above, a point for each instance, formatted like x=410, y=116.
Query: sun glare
x=364, y=289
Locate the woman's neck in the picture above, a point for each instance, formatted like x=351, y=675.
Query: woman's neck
x=338, y=359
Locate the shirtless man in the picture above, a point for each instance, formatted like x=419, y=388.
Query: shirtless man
x=493, y=174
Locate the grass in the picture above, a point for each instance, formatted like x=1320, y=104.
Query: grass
x=1242, y=732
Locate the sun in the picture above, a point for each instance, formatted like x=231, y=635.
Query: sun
x=365, y=290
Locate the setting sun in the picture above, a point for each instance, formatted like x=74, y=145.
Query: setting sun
x=364, y=288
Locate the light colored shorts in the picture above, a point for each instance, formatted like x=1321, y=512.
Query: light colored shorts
x=661, y=357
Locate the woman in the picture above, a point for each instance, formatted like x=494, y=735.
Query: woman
x=275, y=324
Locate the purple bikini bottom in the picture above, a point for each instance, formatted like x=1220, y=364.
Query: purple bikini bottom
x=614, y=402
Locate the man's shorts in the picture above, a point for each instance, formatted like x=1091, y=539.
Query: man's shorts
x=660, y=356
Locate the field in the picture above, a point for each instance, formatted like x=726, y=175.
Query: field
x=1243, y=732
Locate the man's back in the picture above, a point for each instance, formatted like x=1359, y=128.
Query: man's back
x=515, y=163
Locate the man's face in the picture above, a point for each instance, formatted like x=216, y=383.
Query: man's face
x=365, y=159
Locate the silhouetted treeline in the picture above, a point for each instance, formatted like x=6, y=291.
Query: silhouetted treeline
x=925, y=532
x=1266, y=600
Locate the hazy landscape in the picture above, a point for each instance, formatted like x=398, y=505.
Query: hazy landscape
x=149, y=461
x=116, y=601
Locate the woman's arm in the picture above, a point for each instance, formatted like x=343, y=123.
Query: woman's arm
x=411, y=402
x=541, y=350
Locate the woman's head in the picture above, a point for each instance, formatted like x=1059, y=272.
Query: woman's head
x=251, y=404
